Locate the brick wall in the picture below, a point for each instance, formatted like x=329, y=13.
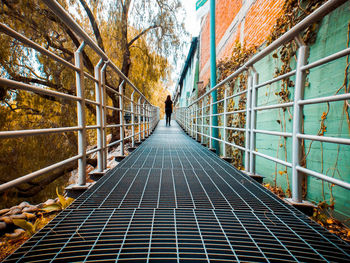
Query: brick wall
x=250, y=22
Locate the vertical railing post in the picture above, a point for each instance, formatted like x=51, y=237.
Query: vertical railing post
x=132, y=120
x=79, y=76
x=147, y=120
x=197, y=109
x=247, y=123
x=192, y=120
x=121, y=117
x=210, y=122
x=202, y=122
x=225, y=123
x=104, y=115
x=253, y=122
x=297, y=119
x=99, y=116
x=143, y=120
x=139, y=117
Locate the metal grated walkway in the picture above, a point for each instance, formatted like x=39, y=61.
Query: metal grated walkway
x=172, y=200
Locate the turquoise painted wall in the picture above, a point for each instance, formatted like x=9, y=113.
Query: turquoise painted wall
x=326, y=158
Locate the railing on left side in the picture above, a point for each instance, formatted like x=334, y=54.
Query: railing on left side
x=146, y=115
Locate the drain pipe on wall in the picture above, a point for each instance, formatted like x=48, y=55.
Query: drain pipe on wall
x=214, y=117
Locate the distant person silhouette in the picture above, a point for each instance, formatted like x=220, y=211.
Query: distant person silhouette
x=168, y=109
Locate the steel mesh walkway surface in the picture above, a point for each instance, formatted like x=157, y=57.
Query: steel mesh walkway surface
x=172, y=200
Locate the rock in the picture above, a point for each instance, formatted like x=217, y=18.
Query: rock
x=29, y=216
x=49, y=202
x=23, y=205
x=2, y=226
x=20, y=216
x=6, y=219
x=30, y=209
x=4, y=211
x=16, y=233
x=14, y=210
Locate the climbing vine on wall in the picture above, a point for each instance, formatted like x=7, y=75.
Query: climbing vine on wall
x=225, y=67
x=294, y=11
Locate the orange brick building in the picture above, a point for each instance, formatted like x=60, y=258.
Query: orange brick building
x=247, y=21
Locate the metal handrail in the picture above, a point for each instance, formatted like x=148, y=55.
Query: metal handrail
x=196, y=117
x=142, y=108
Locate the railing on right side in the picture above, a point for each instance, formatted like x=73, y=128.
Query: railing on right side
x=196, y=119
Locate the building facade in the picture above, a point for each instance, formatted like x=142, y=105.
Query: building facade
x=253, y=23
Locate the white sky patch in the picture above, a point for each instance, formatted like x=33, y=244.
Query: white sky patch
x=191, y=22
x=193, y=27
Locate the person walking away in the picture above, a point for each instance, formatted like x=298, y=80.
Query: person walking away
x=168, y=110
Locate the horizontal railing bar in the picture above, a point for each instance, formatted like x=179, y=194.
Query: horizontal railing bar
x=235, y=129
x=286, y=75
x=11, y=134
x=112, y=108
x=216, y=102
x=320, y=12
x=274, y=106
x=324, y=139
x=113, y=126
x=92, y=102
x=220, y=140
x=345, y=96
x=236, y=111
x=23, y=86
x=90, y=77
x=113, y=143
x=237, y=94
x=93, y=127
x=93, y=151
x=37, y=173
x=324, y=177
x=112, y=89
x=9, y=31
x=205, y=125
x=283, y=134
x=325, y=60
x=272, y=159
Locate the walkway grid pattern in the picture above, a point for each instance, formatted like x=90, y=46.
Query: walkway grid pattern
x=172, y=200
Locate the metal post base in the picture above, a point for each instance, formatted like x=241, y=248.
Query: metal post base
x=120, y=158
x=305, y=207
x=131, y=149
x=257, y=178
x=227, y=159
x=75, y=190
x=95, y=176
x=138, y=143
x=213, y=150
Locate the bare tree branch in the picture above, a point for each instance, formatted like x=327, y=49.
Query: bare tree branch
x=93, y=24
x=142, y=33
